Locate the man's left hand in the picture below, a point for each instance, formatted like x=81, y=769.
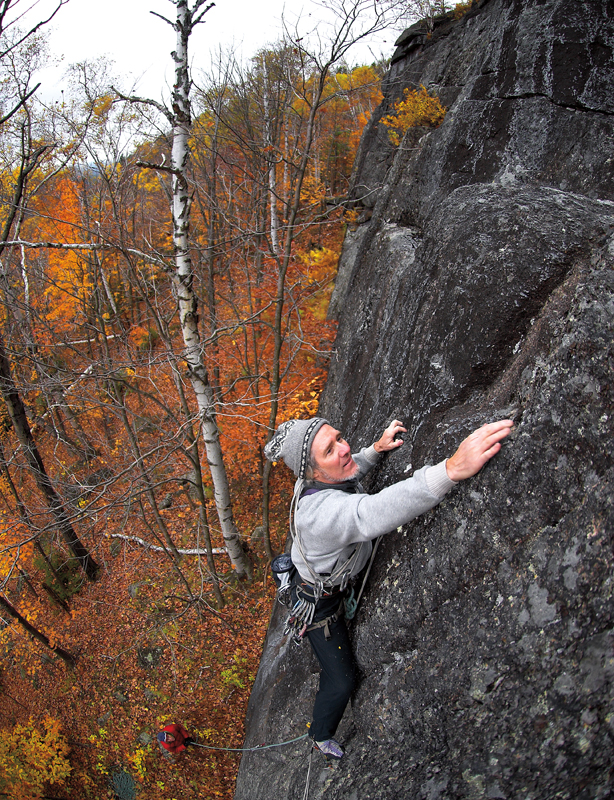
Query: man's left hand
x=477, y=449
x=387, y=441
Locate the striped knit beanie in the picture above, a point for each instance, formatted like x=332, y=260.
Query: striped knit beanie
x=292, y=441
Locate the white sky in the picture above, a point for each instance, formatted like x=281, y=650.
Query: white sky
x=140, y=43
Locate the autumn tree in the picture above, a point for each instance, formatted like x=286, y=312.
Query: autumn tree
x=18, y=52
x=180, y=119
x=278, y=157
x=32, y=759
x=167, y=271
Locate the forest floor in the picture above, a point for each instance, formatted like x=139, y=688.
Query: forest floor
x=146, y=658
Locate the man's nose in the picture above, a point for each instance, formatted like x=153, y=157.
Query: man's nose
x=344, y=448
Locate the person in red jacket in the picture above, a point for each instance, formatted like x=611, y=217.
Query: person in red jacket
x=174, y=738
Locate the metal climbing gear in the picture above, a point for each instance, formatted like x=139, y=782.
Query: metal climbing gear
x=300, y=620
x=301, y=617
x=283, y=571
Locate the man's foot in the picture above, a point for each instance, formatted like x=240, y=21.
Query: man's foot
x=331, y=748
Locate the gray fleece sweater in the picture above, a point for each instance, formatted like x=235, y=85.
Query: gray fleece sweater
x=331, y=522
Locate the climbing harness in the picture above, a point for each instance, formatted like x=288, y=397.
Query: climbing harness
x=341, y=574
x=308, y=594
x=300, y=620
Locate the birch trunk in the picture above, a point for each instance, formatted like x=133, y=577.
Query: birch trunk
x=272, y=176
x=183, y=280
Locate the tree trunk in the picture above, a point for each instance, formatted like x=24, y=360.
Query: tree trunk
x=17, y=413
x=183, y=280
x=194, y=456
x=66, y=657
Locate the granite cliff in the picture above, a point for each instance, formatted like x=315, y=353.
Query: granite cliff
x=478, y=283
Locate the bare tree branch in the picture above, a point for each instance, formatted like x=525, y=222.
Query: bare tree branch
x=19, y=105
x=7, y=6
x=143, y=101
x=194, y=551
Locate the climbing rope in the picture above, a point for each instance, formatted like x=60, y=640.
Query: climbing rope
x=306, y=792
x=351, y=604
x=251, y=749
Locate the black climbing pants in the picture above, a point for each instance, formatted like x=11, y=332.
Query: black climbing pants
x=338, y=671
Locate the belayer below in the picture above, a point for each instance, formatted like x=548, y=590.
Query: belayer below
x=333, y=522
x=174, y=738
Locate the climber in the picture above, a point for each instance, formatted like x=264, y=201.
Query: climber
x=174, y=738
x=333, y=522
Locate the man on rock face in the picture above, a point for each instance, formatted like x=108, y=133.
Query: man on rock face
x=333, y=525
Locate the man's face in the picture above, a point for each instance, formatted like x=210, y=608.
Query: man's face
x=332, y=457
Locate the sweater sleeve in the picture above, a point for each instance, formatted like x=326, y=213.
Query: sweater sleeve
x=438, y=481
x=366, y=459
x=332, y=519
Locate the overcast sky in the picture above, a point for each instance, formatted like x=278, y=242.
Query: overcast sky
x=140, y=43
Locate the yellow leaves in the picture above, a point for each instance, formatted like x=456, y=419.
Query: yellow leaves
x=141, y=338
x=313, y=191
x=29, y=759
x=417, y=108
x=137, y=759
x=460, y=9
x=102, y=106
x=304, y=402
x=321, y=264
x=364, y=83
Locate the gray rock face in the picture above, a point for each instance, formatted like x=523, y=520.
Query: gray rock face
x=482, y=286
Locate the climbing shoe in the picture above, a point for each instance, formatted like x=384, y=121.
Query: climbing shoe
x=331, y=748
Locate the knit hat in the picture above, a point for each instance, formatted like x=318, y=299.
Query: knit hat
x=161, y=737
x=292, y=441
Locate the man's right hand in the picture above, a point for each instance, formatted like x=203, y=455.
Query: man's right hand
x=387, y=441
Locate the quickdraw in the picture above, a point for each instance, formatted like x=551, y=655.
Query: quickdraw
x=301, y=622
x=300, y=619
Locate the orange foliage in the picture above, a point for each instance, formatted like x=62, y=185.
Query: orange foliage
x=68, y=281
x=460, y=9
x=98, y=361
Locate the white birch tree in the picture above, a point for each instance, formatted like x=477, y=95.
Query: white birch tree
x=180, y=119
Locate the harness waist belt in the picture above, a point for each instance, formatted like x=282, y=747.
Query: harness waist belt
x=308, y=588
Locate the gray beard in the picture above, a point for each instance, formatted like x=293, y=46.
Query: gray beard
x=324, y=477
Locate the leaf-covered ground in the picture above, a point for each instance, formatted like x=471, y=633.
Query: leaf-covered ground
x=145, y=659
